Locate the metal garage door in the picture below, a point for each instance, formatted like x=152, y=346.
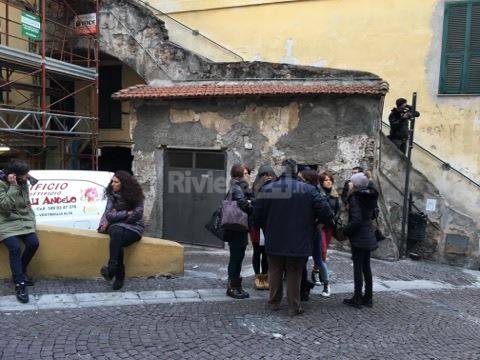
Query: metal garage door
x=193, y=190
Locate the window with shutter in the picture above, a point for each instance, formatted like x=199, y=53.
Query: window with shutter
x=460, y=69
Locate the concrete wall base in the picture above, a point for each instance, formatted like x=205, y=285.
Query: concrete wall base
x=71, y=253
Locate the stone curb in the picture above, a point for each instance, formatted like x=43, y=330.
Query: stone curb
x=83, y=300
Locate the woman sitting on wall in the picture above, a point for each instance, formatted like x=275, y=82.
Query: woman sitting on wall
x=17, y=223
x=122, y=220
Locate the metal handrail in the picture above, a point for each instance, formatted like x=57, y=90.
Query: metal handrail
x=446, y=165
x=157, y=11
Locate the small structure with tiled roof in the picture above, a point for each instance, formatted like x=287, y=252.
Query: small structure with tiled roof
x=189, y=133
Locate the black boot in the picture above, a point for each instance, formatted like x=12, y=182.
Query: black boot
x=305, y=295
x=106, y=274
x=28, y=280
x=367, y=300
x=305, y=288
x=234, y=289
x=245, y=294
x=119, y=278
x=21, y=292
x=355, y=301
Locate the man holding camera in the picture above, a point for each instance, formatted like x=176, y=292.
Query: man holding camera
x=17, y=224
x=399, y=123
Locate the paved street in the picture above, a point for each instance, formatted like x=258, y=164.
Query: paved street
x=422, y=311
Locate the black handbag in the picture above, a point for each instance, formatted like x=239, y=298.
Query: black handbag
x=378, y=233
x=338, y=232
x=215, y=224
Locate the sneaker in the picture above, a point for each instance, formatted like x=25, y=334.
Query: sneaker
x=326, y=290
x=21, y=292
x=316, y=277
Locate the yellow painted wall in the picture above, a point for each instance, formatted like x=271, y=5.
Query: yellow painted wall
x=69, y=253
x=399, y=40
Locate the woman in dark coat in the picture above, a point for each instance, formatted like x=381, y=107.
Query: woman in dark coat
x=238, y=240
x=362, y=205
x=122, y=220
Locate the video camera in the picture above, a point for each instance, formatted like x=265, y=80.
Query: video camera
x=408, y=112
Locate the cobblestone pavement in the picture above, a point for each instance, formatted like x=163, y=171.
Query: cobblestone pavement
x=409, y=324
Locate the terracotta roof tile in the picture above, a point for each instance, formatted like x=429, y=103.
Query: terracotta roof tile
x=223, y=90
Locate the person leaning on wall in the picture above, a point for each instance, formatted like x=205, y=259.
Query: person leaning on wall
x=17, y=224
x=123, y=221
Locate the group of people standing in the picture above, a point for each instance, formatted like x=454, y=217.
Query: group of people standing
x=293, y=217
x=290, y=218
x=122, y=221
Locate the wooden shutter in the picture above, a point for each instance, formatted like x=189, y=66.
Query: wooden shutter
x=473, y=63
x=454, y=42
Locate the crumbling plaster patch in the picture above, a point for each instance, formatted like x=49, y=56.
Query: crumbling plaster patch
x=272, y=122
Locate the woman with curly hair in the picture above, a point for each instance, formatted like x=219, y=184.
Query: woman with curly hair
x=122, y=220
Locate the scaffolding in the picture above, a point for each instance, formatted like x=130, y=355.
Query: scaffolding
x=49, y=62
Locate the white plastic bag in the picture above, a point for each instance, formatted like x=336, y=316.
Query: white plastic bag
x=262, y=238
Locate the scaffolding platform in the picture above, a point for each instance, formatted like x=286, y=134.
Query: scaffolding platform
x=33, y=61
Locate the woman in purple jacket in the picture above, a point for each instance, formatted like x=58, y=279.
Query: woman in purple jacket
x=122, y=220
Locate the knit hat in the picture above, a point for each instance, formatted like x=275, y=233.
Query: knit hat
x=359, y=180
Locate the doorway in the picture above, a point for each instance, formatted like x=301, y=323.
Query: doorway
x=194, y=187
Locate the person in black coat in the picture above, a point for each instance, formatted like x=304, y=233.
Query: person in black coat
x=399, y=123
x=362, y=209
x=238, y=240
x=288, y=210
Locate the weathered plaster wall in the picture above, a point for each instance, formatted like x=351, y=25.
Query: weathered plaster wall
x=354, y=34
x=334, y=132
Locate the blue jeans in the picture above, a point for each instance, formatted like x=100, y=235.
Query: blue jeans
x=317, y=256
x=19, y=261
